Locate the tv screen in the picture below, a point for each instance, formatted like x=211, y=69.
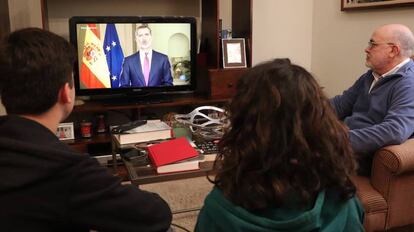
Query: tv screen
x=127, y=55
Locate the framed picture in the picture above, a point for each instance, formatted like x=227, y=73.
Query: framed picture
x=65, y=131
x=234, y=53
x=364, y=4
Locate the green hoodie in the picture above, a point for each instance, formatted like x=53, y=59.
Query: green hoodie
x=329, y=214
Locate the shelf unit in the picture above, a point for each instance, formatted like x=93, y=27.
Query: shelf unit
x=216, y=84
x=93, y=106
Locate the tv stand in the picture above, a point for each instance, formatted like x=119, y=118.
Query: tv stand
x=100, y=144
x=104, y=105
x=134, y=100
x=141, y=99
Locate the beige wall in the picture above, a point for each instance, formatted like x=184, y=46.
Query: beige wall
x=283, y=29
x=316, y=34
x=225, y=13
x=339, y=39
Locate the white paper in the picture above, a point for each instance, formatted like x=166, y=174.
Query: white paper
x=234, y=53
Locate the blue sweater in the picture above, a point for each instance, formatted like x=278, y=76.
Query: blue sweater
x=382, y=117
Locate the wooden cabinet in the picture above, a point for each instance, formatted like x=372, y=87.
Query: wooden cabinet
x=4, y=18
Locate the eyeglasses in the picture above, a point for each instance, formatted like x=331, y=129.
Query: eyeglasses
x=372, y=44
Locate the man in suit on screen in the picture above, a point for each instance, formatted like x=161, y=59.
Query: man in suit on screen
x=146, y=67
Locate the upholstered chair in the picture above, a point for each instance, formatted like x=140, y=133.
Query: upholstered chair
x=388, y=195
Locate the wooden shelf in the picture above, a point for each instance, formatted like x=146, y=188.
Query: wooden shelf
x=95, y=106
x=98, y=138
x=139, y=175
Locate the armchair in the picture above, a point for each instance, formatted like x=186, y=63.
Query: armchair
x=388, y=194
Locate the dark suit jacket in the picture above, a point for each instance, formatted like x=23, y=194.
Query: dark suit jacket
x=160, y=72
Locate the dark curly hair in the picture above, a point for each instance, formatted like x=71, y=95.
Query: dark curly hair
x=283, y=139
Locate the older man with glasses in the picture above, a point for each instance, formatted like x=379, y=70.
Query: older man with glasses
x=379, y=107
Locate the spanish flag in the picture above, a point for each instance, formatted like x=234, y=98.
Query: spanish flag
x=94, y=69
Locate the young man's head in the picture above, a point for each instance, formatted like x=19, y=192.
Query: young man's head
x=36, y=69
x=143, y=37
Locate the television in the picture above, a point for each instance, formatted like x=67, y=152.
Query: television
x=139, y=56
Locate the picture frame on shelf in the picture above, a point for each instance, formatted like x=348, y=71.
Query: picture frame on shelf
x=366, y=4
x=234, y=53
x=65, y=131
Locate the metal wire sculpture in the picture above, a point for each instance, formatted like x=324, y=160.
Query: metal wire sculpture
x=204, y=121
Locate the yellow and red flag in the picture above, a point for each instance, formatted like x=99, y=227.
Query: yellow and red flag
x=94, y=69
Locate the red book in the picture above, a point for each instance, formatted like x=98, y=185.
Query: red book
x=171, y=151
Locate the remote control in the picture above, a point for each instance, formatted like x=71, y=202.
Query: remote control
x=208, y=147
x=128, y=126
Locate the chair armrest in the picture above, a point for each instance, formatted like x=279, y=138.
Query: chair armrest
x=388, y=163
x=397, y=158
x=393, y=177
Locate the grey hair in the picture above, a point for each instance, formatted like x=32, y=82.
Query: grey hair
x=406, y=41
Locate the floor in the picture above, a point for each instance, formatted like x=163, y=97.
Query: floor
x=190, y=194
x=181, y=195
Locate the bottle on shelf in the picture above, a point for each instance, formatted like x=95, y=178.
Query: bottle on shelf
x=100, y=123
x=86, y=129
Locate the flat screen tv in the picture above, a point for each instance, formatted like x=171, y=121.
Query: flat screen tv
x=119, y=56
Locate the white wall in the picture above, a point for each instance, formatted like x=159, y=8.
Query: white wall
x=24, y=13
x=339, y=39
x=283, y=29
